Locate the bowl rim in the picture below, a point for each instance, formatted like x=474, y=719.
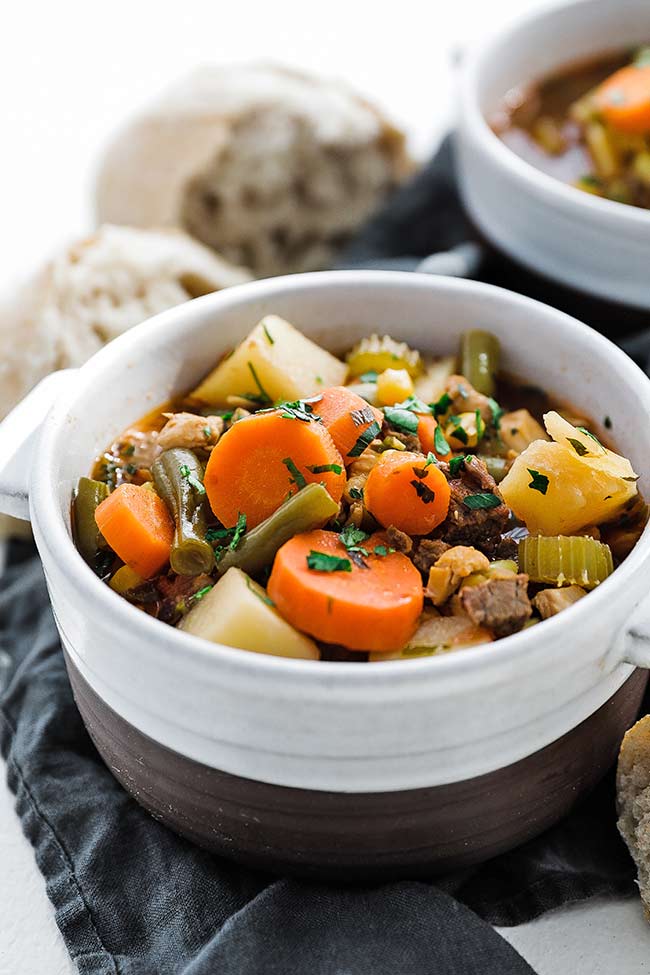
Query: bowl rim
x=540, y=183
x=54, y=541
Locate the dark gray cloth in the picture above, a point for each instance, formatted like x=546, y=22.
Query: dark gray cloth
x=132, y=898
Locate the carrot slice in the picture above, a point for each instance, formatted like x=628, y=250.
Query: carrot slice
x=265, y=458
x=404, y=490
x=624, y=99
x=349, y=419
x=372, y=607
x=138, y=527
x=427, y=426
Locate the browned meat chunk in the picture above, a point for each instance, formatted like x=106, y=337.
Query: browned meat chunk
x=428, y=552
x=399, y=540
x=465, y=399
x=500, y=604
x=464, y=525
x=168, y=597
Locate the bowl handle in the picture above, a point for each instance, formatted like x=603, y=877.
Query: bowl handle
x=636, y=642
x=18, y=437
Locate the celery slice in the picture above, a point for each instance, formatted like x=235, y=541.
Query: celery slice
x=565, y=560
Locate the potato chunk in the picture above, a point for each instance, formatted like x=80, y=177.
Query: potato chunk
x=562, y=486
x=238, y=613
x=275, y=362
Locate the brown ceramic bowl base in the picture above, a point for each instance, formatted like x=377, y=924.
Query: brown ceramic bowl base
x=362, y=836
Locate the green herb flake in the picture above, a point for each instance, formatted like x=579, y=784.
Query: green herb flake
x=260, y=594
x=401, y=419
x=455, y=465
x=297, y=477
x=263, y=395
x=497, y=412
x=238, y=530
x=350, y=536
x=207, y=432
x=365, y=439
x=132, y=469
x=191, y=479
x=325, y=468
x=578, y=446
x=431, y=459
x=201, y=593
x=299, y=409
x=319, y=380
x=633, y=479
x=269, y=337
x=423, y=492
x=607, y=422
x=414, y=405
x=322, y=562
x=383, y=550
x=459, y=432
x=369, y=377
x=480, y=425
x=356, y=493
x=539, y=481
x=484, y=500
x=441, y=406
x=588, y=433
x=440, y=443
x=129, y=450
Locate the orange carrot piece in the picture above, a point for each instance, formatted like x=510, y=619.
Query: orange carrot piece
x=367, y=608
x=624, y=99
x=263, y=459
x=138, y=527
x=347, y=417
x=427, y=426
x=403, y=490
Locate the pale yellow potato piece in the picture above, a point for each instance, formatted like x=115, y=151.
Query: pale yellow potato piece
x=587, y=484
x=279, y=359
x=519, y=429
x=237, y=612
x=431, y=385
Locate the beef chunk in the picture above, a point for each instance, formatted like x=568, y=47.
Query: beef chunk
x=500, y=604
x=506, y=549
x=480, y=527
x=399, y=540
x=168, y=597
x=428, y=552
x=410, y=440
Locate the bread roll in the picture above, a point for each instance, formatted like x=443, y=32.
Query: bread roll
x=93, y=291
x=633, y=797
x=273, y=168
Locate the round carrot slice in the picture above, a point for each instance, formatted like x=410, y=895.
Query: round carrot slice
x=624, y=99
x=404, y=490
x=427, y=426
x=373, y=605
x=265, y=458
x=138, y=527
x=351, y=421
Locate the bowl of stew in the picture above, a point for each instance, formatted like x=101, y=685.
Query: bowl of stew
x=338, y=559
x=554, y=144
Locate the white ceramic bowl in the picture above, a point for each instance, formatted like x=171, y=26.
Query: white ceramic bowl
x=595, y=245
x=338, y=732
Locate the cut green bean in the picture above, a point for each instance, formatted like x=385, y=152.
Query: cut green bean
x=564, y=560
x=178, y=476
x=305, y=511
x=88, y=497
x=479, y=360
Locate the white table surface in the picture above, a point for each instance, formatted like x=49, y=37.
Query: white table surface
x=63, y=88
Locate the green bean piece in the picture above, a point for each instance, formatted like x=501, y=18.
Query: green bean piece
x=497, y=466
x=479, y=359
x=565, y=560
x=305, y=511
x=88, y=538
x=178, y=476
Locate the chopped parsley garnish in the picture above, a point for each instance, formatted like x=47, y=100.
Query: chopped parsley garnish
x=350, y=536
x=201, y=593
x=269, y=337
x=484, y=500
x=607, y=423
x=298, y=478
x=455, y=465
x=401, y=419
x=442, y=405
x=633, y=479
x=324, y=468
x=364, y=415
x=369, y=377
x=383, y=550
x=539, y=481
x=234, y=534
x=257, y=591
x=238, y=530
x=263, y=395
x=191, y=479
x=440, y=443
x=588, y=433
x=459, y=432
x=356, y=493
x=423, y=492
x=497, y=411
x=480, y=425
x=132, y=469
x=365, y=439
x=300, y=409
x=413, y=404
x=578, y=446
x=129, y=450
x=207, y=432
x=322, y=562
x=319, y=380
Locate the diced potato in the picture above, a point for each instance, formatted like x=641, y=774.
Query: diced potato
x=519, y=428
x=275, y=362
x=431, y=385
x=550, y=602
x=393, y=386
x=238, y=613
x=563, y=486
x=464, y=430
x=375, y=353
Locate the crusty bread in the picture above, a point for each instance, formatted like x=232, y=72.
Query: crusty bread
x=633, y=797
x=93, y=291
x=273, y=168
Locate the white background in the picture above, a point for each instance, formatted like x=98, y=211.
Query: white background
x=69, y=73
